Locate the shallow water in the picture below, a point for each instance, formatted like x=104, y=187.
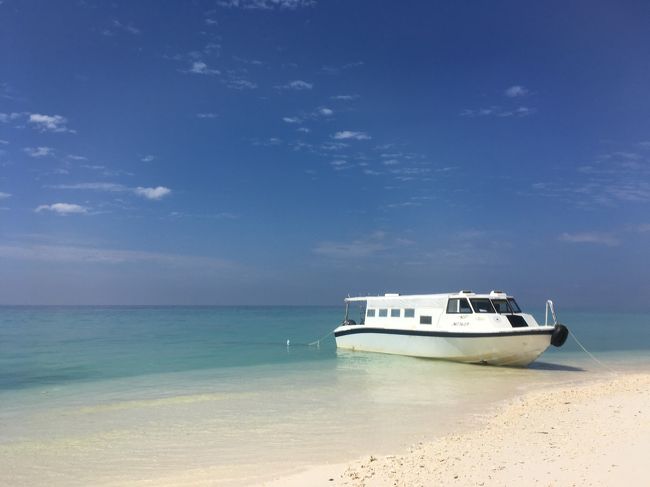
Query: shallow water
x=117, y=395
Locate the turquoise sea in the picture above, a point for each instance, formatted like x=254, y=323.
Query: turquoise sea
x=213, y=395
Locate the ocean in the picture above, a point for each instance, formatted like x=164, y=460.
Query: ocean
x=214, y=395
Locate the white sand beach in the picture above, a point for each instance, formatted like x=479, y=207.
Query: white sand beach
x=594, y=433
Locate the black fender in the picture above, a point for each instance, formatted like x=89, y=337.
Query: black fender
x=559, y=336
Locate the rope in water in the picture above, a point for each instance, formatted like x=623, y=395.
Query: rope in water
x=317, y=342
x=612, y=371
x=311, y=344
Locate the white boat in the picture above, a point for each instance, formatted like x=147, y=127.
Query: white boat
x=463, y=327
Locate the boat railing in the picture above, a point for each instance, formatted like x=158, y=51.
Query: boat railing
x=551, y=308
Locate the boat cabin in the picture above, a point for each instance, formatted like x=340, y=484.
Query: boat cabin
x=455, y=309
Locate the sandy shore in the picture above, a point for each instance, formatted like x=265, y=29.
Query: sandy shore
x=595, y=433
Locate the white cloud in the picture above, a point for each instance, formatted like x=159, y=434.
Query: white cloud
x=156, y=193
x=517, y=112
x=240, y=84
x=404, y=204
x=334, y=146
x=38, y=151
x=334, y=70
x=93, y=186
x=291, y=119
x=266, y=4
x=633, y=156
x=49, y=123
x=199, y=67
x=39, y=121
x=410, y=173
x=319, y=112
x=126, y=27
x=4, y=196
x=612, y=179
x=271, y=141
x=516, y=91
x=590, y=237
x=631, y=191
x=116, y=26
x=344, y=97
x=351, y=135
x=62, y=208
x=76, y=157
x=297, y=85
x=303, y=129
x=479, y=112
x=497, y=111
x=6, y=91
x=7, y=117
x=148, y=158
x=340, y=165
x=206, y=115
x=251, y=62
x=4, y=142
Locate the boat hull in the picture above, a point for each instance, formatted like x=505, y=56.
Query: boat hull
x=509, y=348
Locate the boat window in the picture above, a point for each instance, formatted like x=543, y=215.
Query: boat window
x=502, y=306
x=425, y=320
x=482, y=305
x=383, y=312
x=395, y=313
x=513, y=304
x=409, y=313
x=458, y=305
x=370, y=312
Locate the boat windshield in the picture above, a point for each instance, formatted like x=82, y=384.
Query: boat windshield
x=513, y=304
x=355, y=312
x=502, y=306
x=482, y=305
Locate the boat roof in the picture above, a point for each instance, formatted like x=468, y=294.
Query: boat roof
x=460, y=294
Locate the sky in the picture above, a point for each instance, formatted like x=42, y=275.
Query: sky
x=297, y=151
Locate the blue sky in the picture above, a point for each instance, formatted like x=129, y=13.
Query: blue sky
x=295, y=151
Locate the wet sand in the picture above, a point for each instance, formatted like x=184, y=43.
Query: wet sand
x=589, y=433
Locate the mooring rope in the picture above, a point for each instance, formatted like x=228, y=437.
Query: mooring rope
x=317, y=342
x=310, y=344
x=612, y=371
